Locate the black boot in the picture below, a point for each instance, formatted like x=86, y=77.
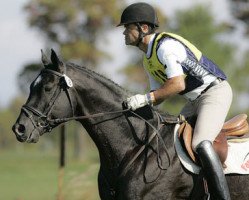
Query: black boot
x=213, y=171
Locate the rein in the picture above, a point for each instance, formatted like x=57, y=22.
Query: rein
x=44, y=120
x=101, y=114
x=152, y=136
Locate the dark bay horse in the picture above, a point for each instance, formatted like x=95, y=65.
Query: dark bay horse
x=137, y=160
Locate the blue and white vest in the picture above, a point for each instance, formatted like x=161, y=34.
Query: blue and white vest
x=192, y=65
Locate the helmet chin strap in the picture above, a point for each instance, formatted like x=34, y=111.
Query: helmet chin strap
x=141, y=34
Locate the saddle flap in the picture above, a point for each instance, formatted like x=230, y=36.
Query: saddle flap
x=185, y=132
x=237, y=126
x=221, y=147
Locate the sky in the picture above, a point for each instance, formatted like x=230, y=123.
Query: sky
x=20, y=45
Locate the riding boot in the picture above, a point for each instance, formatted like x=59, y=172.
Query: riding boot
x=213, y=171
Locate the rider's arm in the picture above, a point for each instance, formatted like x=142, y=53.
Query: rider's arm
x=171, y=87
x=171, y=53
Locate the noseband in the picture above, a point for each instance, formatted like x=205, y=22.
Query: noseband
x=44, y=120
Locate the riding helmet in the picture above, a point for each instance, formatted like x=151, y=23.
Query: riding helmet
x=139, y=12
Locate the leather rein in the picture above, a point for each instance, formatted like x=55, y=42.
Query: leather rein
x=44, y=121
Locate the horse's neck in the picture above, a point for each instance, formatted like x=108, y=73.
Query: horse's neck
x=100, y=95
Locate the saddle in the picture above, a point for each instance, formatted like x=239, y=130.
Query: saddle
x=237, y=127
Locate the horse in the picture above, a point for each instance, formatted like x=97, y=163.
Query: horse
x=136, y=152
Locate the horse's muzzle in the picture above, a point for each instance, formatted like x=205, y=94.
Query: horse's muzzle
x=19, y=131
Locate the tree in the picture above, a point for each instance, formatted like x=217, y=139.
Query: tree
x=73, y=28
x=240, y=10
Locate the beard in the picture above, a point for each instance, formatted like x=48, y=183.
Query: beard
x=131, y=43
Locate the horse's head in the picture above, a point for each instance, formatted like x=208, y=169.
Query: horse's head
x=50, y=98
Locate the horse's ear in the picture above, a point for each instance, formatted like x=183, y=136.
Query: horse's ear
x=58, y=65
x=44, y=58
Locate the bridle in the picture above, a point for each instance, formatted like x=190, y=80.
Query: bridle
x=44, y=120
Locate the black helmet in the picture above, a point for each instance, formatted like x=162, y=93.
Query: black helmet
x=139, y=12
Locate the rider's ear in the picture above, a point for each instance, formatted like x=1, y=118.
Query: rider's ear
x=57, y=64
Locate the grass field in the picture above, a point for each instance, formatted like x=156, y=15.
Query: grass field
x=30, y=174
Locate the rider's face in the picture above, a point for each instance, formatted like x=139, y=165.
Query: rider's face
x=131, y=34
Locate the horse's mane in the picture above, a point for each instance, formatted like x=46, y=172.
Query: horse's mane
x=85, y=69
x=96, y=74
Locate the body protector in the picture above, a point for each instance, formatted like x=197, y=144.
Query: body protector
x=192, y=66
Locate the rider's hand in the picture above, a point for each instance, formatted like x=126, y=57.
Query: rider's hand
x=137, y=101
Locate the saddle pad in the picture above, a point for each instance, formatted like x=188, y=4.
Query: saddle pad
x=237, y=161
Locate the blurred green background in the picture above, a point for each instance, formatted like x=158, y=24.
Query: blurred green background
x=85, y=32
x=31, y=171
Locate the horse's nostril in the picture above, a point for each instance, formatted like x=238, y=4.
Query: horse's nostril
x=21, y=129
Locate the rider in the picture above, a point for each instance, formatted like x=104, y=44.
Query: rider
x=175, y=66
